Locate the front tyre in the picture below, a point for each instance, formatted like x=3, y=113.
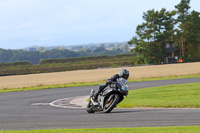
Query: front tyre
x=89, y=107
x=110, y=103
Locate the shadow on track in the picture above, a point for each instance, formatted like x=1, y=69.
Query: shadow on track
x=126, y=111
x=131, y=111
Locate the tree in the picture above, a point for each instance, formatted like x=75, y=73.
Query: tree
x=86, y=49
x=151, y=34
x=182, y=11
x=99, y=49
x=41, y=49
x=124, y=48
x=192, y=32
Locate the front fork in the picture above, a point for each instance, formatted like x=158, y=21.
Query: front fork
x=93, y=101
x=91, y=97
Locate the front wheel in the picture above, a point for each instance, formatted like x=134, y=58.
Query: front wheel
x=89, y=107
x=110, y=103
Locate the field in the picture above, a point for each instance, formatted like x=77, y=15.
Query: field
x=66, y=64
x=95, y=75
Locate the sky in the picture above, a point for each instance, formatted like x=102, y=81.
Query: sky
x=25, y=23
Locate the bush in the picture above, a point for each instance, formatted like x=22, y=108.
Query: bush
x=97, y=58
x=69, y=64
x=47, y=69
x=14, y=64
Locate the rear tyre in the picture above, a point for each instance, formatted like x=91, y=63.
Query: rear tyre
x=89, y=107
x=110, y=104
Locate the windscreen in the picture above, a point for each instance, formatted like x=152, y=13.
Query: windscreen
x=122, y=82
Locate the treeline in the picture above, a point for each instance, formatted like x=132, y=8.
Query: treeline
x=15, y=64
x=180, y=26
x=94, y=59
x=34, y=57
x=59, y=65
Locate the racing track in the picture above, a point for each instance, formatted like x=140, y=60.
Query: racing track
x=30, y=110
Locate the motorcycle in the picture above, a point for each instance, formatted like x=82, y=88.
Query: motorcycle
x=108, y=99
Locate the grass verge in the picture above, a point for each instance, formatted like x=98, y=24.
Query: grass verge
x=164, y=78
x=39, y=87
x=184, y=129
x=172, y=96
x=74, y=84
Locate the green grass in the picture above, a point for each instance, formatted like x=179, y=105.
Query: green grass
x=172, y=96
x=185, y=129
x=165, y=78
x=39, y=87
x=74, y=84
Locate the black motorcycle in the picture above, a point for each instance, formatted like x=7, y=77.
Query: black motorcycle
x=108, y=99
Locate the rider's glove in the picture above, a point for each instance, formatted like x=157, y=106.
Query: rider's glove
x=109, y=81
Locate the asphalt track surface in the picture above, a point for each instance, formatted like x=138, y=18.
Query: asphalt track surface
x=18, y=112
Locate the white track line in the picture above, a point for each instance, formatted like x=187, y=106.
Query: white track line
x=71, y=102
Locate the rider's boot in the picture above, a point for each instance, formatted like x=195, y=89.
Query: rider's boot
x=95, y=96
x=101, y=87
x=97, y=93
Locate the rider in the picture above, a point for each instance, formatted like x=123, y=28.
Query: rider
x=124, y=73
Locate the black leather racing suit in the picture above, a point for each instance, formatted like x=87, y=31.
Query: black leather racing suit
x=108, y=82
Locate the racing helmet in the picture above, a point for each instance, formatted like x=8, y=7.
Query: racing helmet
x=124, y=73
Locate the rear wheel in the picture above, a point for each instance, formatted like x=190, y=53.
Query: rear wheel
x=110, y=103
x=89, y=107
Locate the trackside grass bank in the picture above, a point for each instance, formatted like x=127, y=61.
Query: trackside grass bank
x=74, y=84
x=95, y=75
x=39, y=87
x=172, y=96
x=185, y=129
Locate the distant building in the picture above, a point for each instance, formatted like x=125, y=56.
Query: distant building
x=132, y=46
x=169, y=49
x=32, y=49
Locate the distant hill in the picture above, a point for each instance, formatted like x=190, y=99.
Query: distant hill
x=78, y=47
x=36, y=54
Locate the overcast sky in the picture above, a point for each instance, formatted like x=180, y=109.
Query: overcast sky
x=25, y=23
